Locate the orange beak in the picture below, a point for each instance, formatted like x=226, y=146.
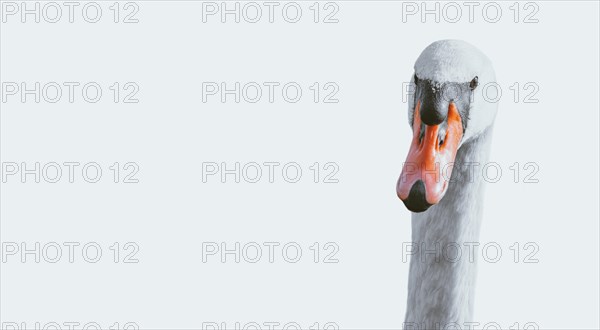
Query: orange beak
x=428, y=166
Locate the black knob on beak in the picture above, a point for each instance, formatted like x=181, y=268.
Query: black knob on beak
x=434, y=101
x=416, y=201
x=431, y=114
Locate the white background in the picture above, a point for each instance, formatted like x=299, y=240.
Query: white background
x=369, y=53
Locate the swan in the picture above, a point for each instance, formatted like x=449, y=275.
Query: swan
x=452, y=129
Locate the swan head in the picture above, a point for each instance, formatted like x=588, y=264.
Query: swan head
x=446, y=109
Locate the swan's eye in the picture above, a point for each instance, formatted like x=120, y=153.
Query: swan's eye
x=474, y=83
x=416, y=79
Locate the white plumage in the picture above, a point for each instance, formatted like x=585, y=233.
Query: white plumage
x=441, y=291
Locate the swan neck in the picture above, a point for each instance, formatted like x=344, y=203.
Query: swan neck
x=444, y=242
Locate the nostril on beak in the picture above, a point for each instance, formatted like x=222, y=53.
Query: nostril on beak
x=416, y=201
